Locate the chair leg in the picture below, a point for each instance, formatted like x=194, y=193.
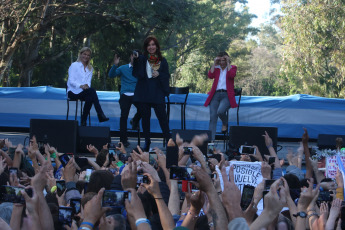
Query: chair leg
x=76, y=110
x=182, y=116
x=138, y=136
x=67, y=109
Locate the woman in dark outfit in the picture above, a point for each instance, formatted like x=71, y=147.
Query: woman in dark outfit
x=152, y=71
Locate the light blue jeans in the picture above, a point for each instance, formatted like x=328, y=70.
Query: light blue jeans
x=218, y=107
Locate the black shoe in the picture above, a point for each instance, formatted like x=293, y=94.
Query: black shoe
x=147, y=146
x=102, y=118
x=83, y=123
x=126, y=144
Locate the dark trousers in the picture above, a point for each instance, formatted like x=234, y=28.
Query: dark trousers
x=90, y=97
x=145, y=110
x=125, y=105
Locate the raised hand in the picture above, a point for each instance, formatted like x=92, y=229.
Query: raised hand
x=92, y=149
x=116, y=60
x=305, y=136
x=268, y=140
x=232, y=197
x=129, y=176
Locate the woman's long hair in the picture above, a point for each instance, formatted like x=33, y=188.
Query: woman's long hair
x=82, y=51
x=158, y=48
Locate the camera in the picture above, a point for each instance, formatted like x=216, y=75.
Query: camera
x=188, y=150
x=146, y=179
x=115, y=198
x=247, y=149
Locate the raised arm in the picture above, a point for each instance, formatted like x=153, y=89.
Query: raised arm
x=164, y=213
x=308, y=166
x=216, y=209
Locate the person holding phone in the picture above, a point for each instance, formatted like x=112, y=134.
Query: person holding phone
x=79, y=85
x=128, y=83
x=222, y=95
x=152, y=72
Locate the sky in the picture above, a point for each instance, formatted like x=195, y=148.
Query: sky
x=261, y=8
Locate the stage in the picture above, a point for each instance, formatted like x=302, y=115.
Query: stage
x=289, y=114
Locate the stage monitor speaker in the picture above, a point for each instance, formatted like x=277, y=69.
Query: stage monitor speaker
x=250, y=135
x=95, y=135
x=62, y=134
x=327, y=141
x=187, y=135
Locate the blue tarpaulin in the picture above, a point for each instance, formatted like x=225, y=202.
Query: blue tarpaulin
x=290, y=113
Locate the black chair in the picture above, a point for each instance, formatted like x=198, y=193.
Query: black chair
x=76, y=107
x=179, y=90
x=238, y=92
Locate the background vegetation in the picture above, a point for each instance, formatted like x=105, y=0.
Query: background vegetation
x=300, y=51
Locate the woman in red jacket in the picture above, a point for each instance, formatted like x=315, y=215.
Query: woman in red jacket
x=222, y=95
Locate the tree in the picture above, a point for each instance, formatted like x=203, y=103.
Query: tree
x=29, y=20
x=314, y=42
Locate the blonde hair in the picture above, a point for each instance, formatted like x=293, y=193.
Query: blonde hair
x=82, y=51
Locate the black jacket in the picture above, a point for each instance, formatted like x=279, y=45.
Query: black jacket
x=151, y=90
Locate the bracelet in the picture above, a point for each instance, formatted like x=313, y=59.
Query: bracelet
x=194, y=216
x=84, y=228
x=220, y=193
x=269, y=146
x=141, y=220
x=313, y=214
x=88, y=223
x=53, y=189
x=159, y=198
x=184, y=214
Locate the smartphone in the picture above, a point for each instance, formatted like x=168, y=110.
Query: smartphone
x=61, y=187
x=210, y=149
x=112, y=155
x=244, y=149
x=81, y=162
x=64, y=159
x=271, y=160
x=13, y=171
x=75, y=205
x=325, y=196
x=268, y=184
x=115, y=198
x=88, y=175
x=152, y=157
x=11, y=150
x=146, y=179
x=247, y=196
x=140, y=179
x=181, y=173
x=13, y=194
x=188, y=150
x=65, y=215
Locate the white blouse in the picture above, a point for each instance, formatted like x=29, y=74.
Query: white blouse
x=78, y=76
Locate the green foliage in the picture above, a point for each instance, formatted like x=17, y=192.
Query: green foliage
x=314, y=33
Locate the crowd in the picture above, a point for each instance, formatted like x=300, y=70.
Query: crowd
x=42, y=188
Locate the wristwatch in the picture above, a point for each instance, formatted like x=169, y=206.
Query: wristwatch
x=300, y=214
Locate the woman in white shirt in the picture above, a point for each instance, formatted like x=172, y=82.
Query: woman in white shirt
x=79, y=85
